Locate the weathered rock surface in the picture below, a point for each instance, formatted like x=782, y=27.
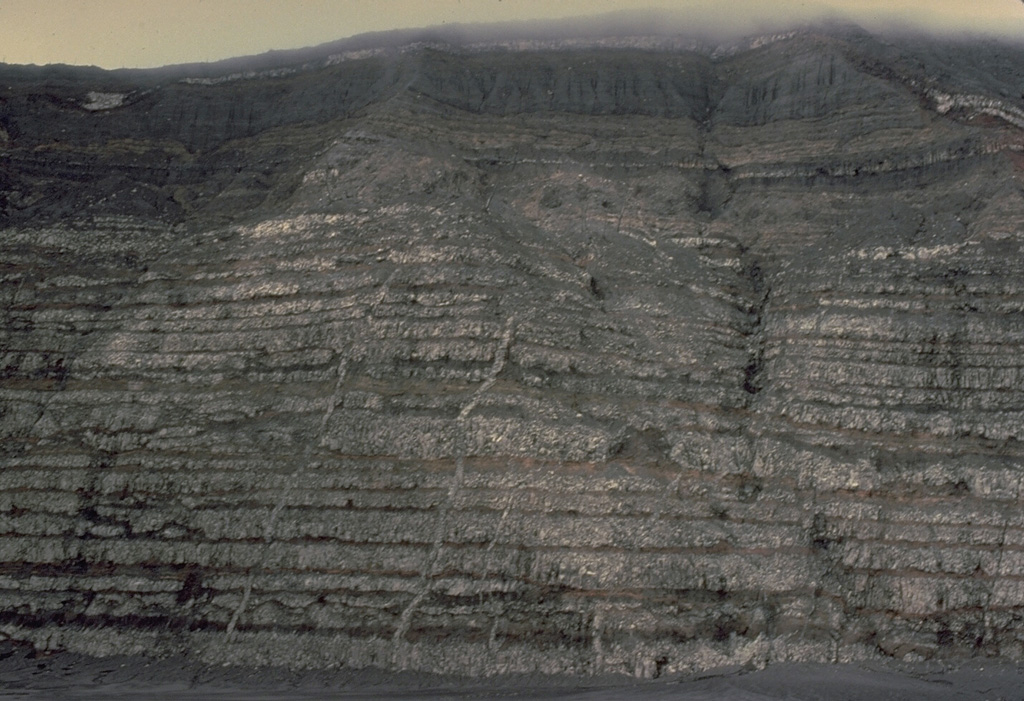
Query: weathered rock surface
x=486, y=361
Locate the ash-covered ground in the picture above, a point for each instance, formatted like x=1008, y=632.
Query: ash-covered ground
x=27, y=675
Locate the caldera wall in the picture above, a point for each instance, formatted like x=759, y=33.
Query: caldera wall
x=603, y=360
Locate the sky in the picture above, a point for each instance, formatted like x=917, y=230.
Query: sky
x=146, y=33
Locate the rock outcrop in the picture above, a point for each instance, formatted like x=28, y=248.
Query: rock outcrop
x=479, y=361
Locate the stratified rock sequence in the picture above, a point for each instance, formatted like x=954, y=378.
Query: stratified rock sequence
x=629, y=355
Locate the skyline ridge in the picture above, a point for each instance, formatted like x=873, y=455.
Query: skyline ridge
x=145, y=35
x=652, y=23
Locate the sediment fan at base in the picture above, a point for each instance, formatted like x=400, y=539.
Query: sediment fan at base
x=481, y=361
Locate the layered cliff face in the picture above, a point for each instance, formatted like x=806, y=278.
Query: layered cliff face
x=602, y=360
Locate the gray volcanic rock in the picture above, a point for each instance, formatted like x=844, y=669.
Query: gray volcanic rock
x=477, y=360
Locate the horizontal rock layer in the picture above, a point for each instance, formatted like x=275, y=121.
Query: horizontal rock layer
x=482, y=362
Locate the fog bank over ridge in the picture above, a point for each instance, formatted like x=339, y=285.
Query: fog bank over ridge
x=696, y=29
x=705, y=28
x=744, y=18
x=114, y=33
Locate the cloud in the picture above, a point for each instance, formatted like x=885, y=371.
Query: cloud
x=115, y=33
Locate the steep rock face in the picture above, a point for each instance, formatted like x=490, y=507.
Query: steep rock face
x=489, y=361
